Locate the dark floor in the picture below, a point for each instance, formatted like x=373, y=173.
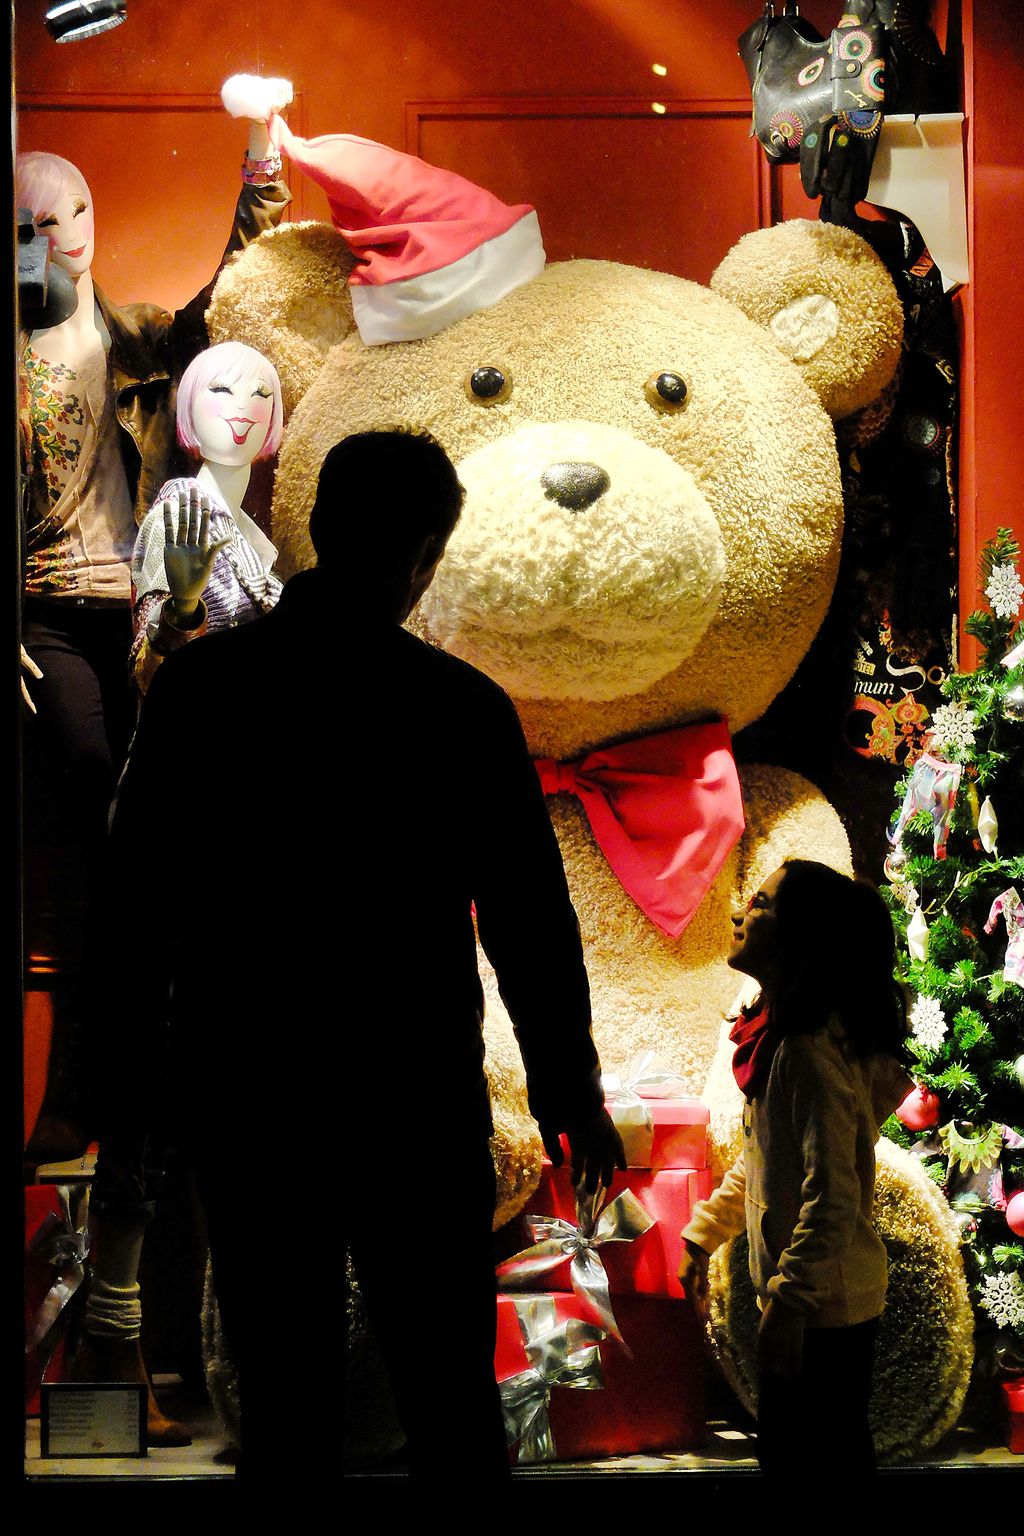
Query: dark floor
x=728, y=1455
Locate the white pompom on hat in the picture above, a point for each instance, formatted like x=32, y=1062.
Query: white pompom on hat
x=430, y=246
x=254, y=97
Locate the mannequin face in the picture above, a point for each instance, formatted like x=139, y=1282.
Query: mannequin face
x=231, y=421
x=69, y=227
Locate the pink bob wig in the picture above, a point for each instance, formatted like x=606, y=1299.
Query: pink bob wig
x=227, y=363
x=40, y=179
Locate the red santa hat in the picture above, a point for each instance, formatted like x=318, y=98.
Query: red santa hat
x=430, y=246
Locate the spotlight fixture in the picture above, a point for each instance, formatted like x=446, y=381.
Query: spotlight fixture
x=72, y=19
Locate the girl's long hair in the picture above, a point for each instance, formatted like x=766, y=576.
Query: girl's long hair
x=837, y=954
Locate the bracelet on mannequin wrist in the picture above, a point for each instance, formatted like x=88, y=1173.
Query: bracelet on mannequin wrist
x=184, y=625
x=258, y=173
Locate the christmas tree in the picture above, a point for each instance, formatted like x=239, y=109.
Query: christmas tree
x=956, y=873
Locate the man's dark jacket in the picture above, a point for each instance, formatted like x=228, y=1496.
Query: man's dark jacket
x=313, y=807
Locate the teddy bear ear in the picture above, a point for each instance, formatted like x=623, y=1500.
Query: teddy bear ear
x=287, y=295
x=827, y=301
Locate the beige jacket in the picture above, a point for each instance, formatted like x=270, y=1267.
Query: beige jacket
x=803, y=1186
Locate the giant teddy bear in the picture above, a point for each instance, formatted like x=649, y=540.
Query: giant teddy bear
x=649, y=542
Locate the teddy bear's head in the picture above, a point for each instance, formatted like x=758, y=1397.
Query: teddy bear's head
x=653, y=509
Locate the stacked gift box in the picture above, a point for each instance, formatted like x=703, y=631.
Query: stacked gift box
x=598, y=1353
x=1013, y=1413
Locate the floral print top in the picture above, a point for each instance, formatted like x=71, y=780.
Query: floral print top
x=57, y=412
x=80, y=527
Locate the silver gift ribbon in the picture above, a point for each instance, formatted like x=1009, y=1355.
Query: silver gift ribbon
x=62, y=1241
x=561, y=1355
x=633, y=1120
x=555, y=1240
x=646, y=1076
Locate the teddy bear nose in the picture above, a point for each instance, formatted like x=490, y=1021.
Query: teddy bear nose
x=574, y=484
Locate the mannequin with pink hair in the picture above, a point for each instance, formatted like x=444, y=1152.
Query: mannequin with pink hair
x=198, y=538
x=96, y=396
x=96, y=418
x=200, y=564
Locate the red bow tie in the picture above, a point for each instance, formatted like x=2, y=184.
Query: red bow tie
x=665, y=811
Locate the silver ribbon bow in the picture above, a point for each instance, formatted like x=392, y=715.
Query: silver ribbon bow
x=560, y=1355
x=62, y=1241
x=646, y=1076
x=555, y=1240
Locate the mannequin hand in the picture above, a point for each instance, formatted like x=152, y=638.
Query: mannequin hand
x=30, y=666
x=693, y=1277
x=595, y=1149
x=780, y=1340
x=189, y=552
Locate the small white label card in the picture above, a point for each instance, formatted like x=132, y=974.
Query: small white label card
x=90, y=1418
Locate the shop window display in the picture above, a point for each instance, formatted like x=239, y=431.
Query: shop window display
x=669, y=393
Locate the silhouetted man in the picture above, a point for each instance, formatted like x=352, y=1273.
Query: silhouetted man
x=314, y=805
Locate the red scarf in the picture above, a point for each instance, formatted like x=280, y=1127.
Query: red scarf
x=756, y=1043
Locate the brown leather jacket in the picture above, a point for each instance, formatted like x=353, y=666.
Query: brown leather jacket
x=150, y=349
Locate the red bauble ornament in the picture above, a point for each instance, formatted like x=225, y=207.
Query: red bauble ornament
x=920, y=1109
x=1015, y=1213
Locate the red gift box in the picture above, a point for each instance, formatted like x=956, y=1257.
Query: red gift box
x=678, y=1134
x=652, y=1402
x=649, y=1265
x=1013, y=1406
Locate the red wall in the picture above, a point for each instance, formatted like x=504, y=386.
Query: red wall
x=138, y=108
x=992, y=459
x=542, y=102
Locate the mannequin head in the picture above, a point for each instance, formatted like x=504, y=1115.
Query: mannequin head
x=58, y=196
x=229, y=405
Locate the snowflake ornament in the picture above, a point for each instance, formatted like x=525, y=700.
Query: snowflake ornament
x=1002, y=1296
x=952, y=729
x=1004, y=591
x=907, y=895
x=928, y=1023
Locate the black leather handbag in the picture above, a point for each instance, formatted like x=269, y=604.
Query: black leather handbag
x=819, y=100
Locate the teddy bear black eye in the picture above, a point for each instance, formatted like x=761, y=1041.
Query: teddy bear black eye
x=666, y=391
x=488, y=385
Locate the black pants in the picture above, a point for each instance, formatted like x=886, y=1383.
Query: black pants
x=419, y=1231
x=85, y=700
x=75, y=748
x=129, y=1177
x=429, y=1292
x=818, y=1420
